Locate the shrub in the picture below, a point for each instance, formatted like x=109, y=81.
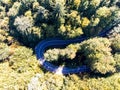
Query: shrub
x=4, y=51
x=21, y=67
x=3, y=35
x=4, y=23
x=23, y=60
x=52, y=54
x=71, y=51
x=2, y=12
x=68, y=53
x=116, y=43
x=117, y=60
x=73, y=82
x=108, y=83
x=46, y=82
x=2, y=38
x=114, y=31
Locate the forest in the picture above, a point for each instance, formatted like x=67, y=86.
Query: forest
x=25, y=23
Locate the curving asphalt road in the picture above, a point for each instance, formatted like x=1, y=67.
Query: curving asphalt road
x=43, y=45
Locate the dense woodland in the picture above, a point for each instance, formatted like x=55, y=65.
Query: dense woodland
x=24, y=23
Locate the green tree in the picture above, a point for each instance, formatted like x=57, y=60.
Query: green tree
x=14, y=10
x=26, y=30
x=98, y=55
